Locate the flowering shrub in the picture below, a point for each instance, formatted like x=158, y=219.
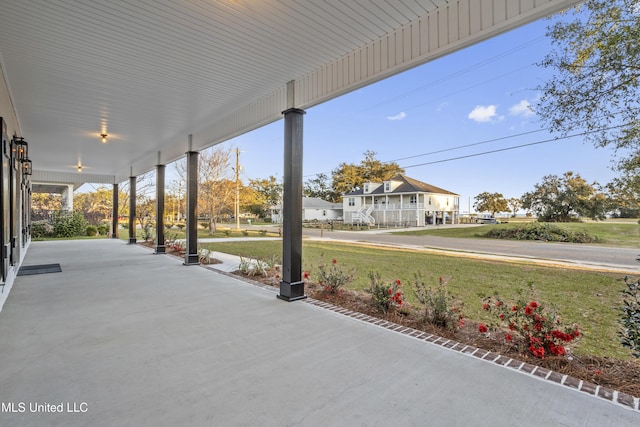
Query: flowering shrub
x=385, y=296
x=530, y=323
x=630, y=317
x=178, y=245
x=332, y=277
x=440, y=306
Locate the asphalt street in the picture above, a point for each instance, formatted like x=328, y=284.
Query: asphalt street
x=606, y=258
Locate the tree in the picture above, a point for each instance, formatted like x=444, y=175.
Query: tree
x=46, y=202
x=349, y=177
x=320, y=187
x=624, y=193
x=268, y=192
x=563, y=199
x=515, y=204
x=595, y=87
x=96, y=205
x=490, y=202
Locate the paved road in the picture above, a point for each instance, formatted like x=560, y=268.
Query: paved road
x=623, y=259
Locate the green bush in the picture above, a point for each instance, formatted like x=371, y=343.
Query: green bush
x=630, y=317
x=103, y=229
x=541, y=231
x=40, y=229
x=69, y=224
x=92, y=230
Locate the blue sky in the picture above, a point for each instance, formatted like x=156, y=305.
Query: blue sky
x=478, y=94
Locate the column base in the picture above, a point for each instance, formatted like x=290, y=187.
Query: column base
x=160, y=249
x=291, y=291
x=132, y=240
x=191, y=259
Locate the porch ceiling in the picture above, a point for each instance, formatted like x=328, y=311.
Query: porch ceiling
x=150, y=72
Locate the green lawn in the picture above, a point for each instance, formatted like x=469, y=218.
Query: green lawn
x=202, y=233
x=586, y=298
x=611, y=233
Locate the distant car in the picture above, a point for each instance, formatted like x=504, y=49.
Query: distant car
x=486, y=219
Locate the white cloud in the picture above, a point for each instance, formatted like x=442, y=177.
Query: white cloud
x=484, y=114
x=523, y=108
x=398, y=116
x=443, y=106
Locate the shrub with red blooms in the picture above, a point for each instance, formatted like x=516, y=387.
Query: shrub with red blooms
x=532, y=325
x=440, y=307
x=385, y=296
x=332, y=277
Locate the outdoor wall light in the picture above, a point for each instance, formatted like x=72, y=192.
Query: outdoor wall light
x=104, y=137
x=21, y=148
x=27, y=167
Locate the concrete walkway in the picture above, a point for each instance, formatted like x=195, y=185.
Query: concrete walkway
x=122, y=337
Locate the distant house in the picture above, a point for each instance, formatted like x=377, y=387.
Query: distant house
x=401, y=201
x=313, y=209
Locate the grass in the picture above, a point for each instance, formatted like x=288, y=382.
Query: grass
x=584, y=297
x=611, y=233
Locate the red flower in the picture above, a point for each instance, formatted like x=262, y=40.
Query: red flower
x=533, y=304
x=398, y=282
x=501, y=316
x=508, y=337
x=461, y=323
x=389, y=291
x=306, y=275
x=512, y=326
x=597, y=372
x=528, y=311
x=499, y=303
x=576, y=333
x=335, y=261
x=482, y=328
x=514, y=308
x=485, y=306
x=399, y=294
x=399, y=302
x=440, y=278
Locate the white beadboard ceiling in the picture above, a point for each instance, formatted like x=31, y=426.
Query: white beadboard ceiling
x=150, y=72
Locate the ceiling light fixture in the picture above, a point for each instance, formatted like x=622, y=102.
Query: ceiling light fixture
x=104, y=137
x=79, y=168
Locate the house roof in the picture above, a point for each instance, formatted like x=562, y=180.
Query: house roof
x=407, y=185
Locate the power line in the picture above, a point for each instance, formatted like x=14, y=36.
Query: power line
x=511, y=148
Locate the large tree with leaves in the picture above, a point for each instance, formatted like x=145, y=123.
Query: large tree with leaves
x=491, y=202
x=624, y=193
x=348, y=177
x=565, y=198
x=320, y=187
x=595, y=88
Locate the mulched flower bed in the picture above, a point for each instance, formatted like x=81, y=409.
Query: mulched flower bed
x=616, y=374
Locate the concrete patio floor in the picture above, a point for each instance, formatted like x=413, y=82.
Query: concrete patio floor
x=127, y=338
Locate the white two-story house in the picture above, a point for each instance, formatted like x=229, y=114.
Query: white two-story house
x=401, y=201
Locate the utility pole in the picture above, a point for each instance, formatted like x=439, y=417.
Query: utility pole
x=237, y=189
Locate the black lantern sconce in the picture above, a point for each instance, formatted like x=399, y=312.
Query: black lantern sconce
x=27, y=167
x=21, y=148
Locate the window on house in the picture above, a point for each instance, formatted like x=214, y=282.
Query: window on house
x=387, y=186
x=352, y=201
x=366, y=188
x=413, y=199
x=429, y=200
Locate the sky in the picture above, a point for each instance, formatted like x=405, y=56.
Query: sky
x=419, y=117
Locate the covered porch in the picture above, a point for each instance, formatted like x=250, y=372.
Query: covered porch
x=123, y=337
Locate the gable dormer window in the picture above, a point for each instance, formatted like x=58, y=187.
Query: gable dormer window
x=366, y=187
x=387, y=186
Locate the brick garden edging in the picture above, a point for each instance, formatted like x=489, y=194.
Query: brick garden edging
x=614, y=396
